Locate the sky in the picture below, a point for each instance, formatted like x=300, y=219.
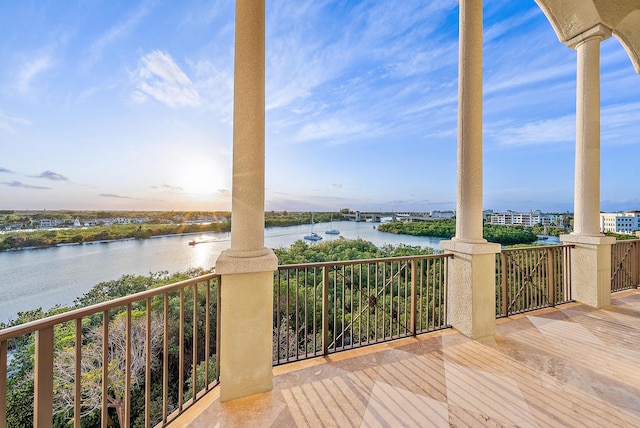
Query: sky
x=128, y=105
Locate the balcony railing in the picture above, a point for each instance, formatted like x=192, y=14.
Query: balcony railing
x=532, y=278
x=160, y=344
x=625, y=265
x=321, y=308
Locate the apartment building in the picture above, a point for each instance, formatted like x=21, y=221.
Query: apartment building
x=627, y=222
x=526, y=219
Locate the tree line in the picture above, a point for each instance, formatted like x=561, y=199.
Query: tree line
x=446, y=229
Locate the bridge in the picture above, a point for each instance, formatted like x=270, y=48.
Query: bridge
x=376, y=217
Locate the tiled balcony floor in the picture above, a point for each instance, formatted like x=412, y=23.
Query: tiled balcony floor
x=569, y=366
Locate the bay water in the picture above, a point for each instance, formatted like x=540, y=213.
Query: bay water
x=30, y=279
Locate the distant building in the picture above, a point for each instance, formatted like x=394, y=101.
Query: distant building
x=46, y=223
x=526, y=219
x=627, y=222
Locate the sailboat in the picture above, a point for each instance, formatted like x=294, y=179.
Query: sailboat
x=331, y=230
x=312, y=236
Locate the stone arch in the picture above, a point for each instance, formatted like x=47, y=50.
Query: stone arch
x=628, y=34
x=570, y=18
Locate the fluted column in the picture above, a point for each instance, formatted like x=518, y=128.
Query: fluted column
x=247, y=267
x=591, y=256
x=471, y=274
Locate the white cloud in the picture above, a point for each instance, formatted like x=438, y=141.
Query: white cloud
x=332, y=129
x=506, y=25
x=619, y=124
x=115, y=33
x=30, y=70
x=8, y=123
x=215, y=86
x=159, y=77
x=383, y=38
x=551, y=131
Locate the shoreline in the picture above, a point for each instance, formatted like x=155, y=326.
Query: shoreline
x=103, y=241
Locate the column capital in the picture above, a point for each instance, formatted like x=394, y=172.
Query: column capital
x=471, y=248
x=600, y=31
x=587, y=239
x=233, y=262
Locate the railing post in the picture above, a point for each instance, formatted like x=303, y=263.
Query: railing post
x=218, y=324
x=325, y=310
x=635, y=262
x=104, y=416
x=504, y=274
x=77, y=376
x=414, y=294
x=43, y=379
x=3, y=384
x=551, y=275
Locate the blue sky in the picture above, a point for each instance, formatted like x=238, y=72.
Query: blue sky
x=128, y=105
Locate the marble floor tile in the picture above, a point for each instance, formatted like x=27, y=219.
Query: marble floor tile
x=569, y=366
x=391, y=406
x=488, y=395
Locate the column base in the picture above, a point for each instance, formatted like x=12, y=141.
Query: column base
x=471, y=292
x=246, y=325
x=590, y=268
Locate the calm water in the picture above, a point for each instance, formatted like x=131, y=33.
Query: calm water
x=42, y=278
x=45, y=277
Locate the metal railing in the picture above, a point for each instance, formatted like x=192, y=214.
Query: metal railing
x=158, y=346
x=532, y=278
x=321, y=308
x=625, y=265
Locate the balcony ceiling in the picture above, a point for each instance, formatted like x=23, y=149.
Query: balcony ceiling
x=570, y=18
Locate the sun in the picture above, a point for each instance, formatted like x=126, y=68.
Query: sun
x=199, y=178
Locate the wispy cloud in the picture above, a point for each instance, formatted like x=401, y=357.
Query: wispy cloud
x=50, y=175
x=214, y=85
x=363, y=75
x=551, y=131
x=112, y=195
x=334, y=128
x=619, y=124
x=5, y=170
x=24, y=185
x=8, y=124
x=30, y=70
x=117, y=32
x=504, y=26
x=168, y=188
x=160, y=77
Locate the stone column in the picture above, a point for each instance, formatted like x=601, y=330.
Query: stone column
x=247, y=268
x=591, y=257
x=471, y=276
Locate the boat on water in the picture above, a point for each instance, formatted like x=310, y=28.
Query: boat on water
x=193, y=242
x=312, y=236
x=331, y=230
